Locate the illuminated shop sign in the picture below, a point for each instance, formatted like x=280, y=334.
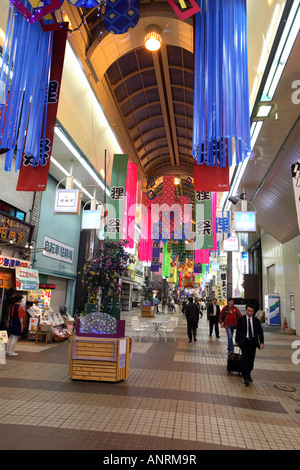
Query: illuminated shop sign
x=245, y=221
x=14, y=230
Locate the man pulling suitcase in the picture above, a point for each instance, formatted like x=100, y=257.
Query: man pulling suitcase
x=249, y=336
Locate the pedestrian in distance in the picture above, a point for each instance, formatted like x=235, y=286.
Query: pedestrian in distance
x=213, y=316
x=192, y=317
x=228, y=319
x=156, y=302
x=249, y=336
x=14, y=324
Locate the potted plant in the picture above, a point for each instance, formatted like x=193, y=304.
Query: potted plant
x=148, y=294
x=101, y=274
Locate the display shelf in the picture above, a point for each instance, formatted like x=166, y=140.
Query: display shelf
x=148, y=311
x=99, y=359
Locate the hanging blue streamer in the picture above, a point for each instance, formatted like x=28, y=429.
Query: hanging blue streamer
x=25, y=73
x=221, y=120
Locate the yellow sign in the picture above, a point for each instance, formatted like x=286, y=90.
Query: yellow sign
x=3, y=336
x=6, y=280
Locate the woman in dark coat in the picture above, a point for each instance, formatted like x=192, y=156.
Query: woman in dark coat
x=15, y=324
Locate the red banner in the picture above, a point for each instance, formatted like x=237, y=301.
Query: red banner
x=34, y=178
x=211, y=178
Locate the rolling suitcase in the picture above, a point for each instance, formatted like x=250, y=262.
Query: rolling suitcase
x=234, y=361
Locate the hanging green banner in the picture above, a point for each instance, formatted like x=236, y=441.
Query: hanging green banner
x=166, y=262
x=204, y=220
x=115, y=208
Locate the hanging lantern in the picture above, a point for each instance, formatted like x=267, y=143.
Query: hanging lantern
x=35, y=14
x=121, y=16
x=221, y=91
x=182, y=11
x=85, y=3
x=25, y=71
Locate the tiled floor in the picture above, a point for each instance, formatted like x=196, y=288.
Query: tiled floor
x=178, y=396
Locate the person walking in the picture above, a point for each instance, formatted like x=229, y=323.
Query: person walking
x=228, y=318
x=213, y=316
x=249, y=336
x=15, y=324
x=192, y=317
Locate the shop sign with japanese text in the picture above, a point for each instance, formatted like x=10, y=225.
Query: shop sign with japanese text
x=27, y=279
x=58, y=250
x=6, y=262
x=15, y=230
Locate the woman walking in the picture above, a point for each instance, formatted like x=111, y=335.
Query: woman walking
x=15, y=324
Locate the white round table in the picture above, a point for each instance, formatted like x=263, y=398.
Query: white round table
x=157, y=324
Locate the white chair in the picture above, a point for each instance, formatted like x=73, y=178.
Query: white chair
x=143, y=325
x=175, y=319
x=139, y=329
x=169, y=328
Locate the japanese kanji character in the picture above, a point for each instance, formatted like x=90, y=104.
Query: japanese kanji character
x=3, y=231
x=202, y=195
x=20, y=238
x=114, y=225
x=204, y=227
x=117, y=193
x=223, y=224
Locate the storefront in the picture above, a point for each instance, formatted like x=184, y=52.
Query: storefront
x=15, y=238
x=58, y=238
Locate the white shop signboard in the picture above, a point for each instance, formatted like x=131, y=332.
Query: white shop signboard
x=58, y=250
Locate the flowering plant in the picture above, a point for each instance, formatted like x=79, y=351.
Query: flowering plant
x=148, y=291
x=104, y=270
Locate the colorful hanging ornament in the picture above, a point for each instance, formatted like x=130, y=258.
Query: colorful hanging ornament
x=211, y=178
x=182, y=11
x=115, y=213
x=145, y=245
x=24, y=72
x=221, y=90
x=121, y=15
x=85, y=3
x=168, y=212
x=35, y=14
x=204, y=220
x=128, y=229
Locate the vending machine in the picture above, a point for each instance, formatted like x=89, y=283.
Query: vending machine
x=272, y=311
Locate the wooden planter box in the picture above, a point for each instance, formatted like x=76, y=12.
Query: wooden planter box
x=99, y=359
x=148, y=311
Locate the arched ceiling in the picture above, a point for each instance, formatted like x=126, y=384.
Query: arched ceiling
x=148, y=98
x=152, y=91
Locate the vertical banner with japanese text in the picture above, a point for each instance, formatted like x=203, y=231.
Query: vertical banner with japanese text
x=115, y=210
x=34, y=178
x=155, y=262
x=204, y=220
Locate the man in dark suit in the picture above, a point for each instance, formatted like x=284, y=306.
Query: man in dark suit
x=192, y=317
x=213, y=312
x=249, y=336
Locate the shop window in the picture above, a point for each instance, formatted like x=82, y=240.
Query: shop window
x=11, y=210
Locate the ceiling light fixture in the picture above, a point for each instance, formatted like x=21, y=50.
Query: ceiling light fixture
x=153, y=38
x=283, y=51
x=264, y=111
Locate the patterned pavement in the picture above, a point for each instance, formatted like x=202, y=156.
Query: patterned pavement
x=178, y=397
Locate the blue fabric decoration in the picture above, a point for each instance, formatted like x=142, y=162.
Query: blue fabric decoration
x=121, y=15
x=84, y=3
x=221, y=89
x=24, y=73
